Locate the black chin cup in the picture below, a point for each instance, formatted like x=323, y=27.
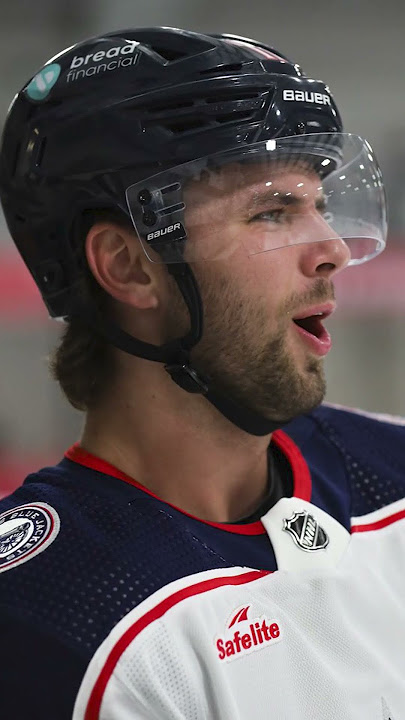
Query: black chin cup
x=187, y=378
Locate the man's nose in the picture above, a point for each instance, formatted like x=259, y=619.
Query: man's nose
x=326, y=255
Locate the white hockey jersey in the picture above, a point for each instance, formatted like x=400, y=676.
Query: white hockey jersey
x=308, y=625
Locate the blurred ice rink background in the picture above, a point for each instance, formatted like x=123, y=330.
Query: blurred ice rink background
x=357, y=47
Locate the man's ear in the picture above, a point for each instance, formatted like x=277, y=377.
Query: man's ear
x=119, y=264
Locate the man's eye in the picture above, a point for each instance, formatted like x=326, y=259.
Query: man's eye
x=275, y=216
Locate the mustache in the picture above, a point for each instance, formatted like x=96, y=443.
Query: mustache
x=321, y=291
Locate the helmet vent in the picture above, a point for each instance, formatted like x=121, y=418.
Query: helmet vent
x=186, y=125
x=227, y=95
x=169, y=54
x=219, y=108
x=177, y=105
x=233, y=117
x=235, y=67
x=15, y=159
x=237, y=94
x=40, y=152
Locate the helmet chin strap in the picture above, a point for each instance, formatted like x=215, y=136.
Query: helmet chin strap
x=176, y=356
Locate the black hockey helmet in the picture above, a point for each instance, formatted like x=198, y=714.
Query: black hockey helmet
x=122, y=121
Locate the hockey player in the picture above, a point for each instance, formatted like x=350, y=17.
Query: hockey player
x=218, y=544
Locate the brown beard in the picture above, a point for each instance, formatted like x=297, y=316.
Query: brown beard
x=243, y=359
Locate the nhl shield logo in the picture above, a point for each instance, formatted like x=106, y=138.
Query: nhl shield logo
x=306, y=531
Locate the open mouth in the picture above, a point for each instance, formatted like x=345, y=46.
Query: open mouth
x=311, y=329
x=312, y=324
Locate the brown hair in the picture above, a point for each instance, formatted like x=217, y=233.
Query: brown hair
x=83, y=361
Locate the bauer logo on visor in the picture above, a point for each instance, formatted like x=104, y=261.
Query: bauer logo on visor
x=164, y=231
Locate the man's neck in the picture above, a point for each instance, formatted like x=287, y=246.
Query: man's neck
x=180, y=448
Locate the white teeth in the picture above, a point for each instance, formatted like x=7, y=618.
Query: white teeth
x=318, y=314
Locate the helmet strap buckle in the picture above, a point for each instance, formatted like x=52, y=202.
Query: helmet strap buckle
x=187, y=378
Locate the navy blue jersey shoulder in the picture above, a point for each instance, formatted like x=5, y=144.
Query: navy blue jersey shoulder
x=362, y=453
x=115, y=547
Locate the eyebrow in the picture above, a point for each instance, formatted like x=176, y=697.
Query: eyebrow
x=264, y=198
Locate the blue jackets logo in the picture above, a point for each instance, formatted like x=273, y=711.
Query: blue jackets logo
x=26, y=531
x=43, y=82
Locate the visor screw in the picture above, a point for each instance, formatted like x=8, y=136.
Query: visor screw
x=149, y=218
x=300, y=128
x=144, y=197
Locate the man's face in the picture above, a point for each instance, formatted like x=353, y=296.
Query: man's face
x=248, y=219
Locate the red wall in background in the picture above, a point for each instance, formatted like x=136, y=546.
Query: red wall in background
x=20, y=300
x=375, y=287
x=13, y=470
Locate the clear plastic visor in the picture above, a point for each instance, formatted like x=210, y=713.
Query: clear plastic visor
x=287, y=191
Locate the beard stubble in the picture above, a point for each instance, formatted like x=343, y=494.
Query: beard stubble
x=243, y=358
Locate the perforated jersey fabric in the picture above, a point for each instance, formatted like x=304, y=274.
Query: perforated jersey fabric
x=365, y=464
x=327, y=664
x=113, y=609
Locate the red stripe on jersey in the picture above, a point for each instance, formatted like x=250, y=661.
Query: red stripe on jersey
x=301, y=474
x=96, y=696
x=299, y=468
x=82, y=457
x=378, y=524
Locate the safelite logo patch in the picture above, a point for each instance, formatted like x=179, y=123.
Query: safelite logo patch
x=43, y=82
x=250, y=635
x=26, y=531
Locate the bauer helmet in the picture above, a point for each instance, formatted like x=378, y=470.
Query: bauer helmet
x=130, y=120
